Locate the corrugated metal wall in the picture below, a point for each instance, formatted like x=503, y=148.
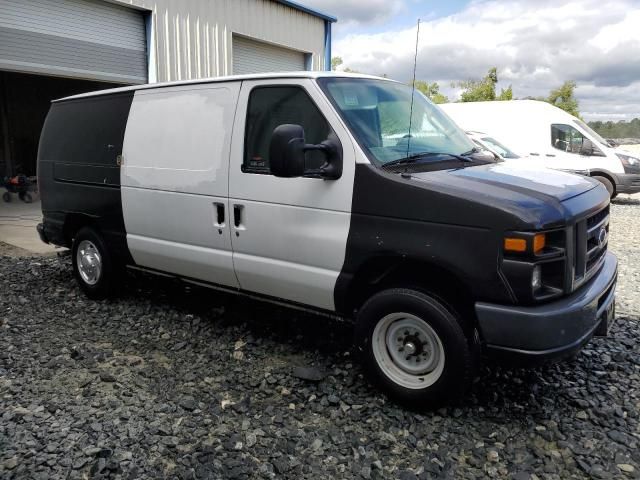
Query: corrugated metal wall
x=89, y=39
x=194, y=38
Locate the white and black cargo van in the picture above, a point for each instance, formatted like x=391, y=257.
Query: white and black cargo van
x=318, y=190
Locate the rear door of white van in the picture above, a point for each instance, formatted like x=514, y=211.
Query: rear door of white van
x=175, y=180
x=289, y=235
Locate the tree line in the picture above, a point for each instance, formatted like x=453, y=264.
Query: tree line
x=484, y=89
x=620, y=129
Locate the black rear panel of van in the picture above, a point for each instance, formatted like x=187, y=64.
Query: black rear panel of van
x=78, y=171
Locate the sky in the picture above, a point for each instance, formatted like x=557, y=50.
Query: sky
x=535, y=44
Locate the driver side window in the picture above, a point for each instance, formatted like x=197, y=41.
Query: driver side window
x=272, y=106
x=566, y=138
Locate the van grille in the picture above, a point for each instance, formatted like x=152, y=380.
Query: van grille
x=591, y=241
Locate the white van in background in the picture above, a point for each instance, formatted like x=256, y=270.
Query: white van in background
x=489, y=143
x=499, y=150
x=538, y=130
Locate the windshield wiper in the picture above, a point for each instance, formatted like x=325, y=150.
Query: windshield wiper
x=471, y=152
x=417, y=156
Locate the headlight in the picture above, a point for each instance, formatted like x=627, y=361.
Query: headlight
x=628, y=160
x=535, y=263
x=536, y=278
x=629, y=163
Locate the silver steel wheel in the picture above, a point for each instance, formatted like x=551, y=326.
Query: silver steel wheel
x=408, y=350
x=89, y=262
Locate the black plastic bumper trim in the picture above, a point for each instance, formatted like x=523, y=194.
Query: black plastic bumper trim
x=627, y=183
x=535, y=357
x=554, y=327
x=41, y=234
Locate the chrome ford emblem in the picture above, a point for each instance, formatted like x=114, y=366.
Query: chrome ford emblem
x=602, y=237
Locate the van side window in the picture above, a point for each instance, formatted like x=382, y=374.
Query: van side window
x=270, y=107
x=566, y=138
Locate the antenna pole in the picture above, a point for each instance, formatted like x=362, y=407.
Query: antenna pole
x=413, y=87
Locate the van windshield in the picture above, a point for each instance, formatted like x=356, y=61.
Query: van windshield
x=503, y=151
x=591, y=132
x=377, y=113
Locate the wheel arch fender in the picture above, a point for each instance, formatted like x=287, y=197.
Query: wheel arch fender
x=383, y=272
x=597, y=172
x=73, y=222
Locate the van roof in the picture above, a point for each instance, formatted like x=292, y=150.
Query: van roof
x=230, y=78
x=531, y=108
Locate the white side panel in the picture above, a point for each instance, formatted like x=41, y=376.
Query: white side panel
x=175, y=178
x=178, y=138
x=297, y=256
x=250, y=56
x=292, y=238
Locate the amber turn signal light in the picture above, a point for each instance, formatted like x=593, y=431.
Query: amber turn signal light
x=520, y=244
x=515, y=244
x=539, y=241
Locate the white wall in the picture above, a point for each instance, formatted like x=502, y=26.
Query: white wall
x=193, y=39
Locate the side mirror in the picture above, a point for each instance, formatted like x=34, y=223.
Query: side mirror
x=287, y=154
x=587, y=147
x=286, y=151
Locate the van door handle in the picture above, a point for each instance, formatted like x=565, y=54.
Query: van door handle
x=550, y=155
x=219, y=214
x=237, y=215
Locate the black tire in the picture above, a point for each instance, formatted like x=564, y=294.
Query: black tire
x=106, y=283
x=6, y=196
x=459, y=353
x=607, y=184
x=25, y=197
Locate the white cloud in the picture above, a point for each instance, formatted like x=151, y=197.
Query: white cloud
x=535, y=45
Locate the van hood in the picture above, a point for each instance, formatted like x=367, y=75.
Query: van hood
x=516, y=179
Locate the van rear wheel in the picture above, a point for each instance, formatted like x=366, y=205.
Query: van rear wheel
x=413, y=348
x=93, y=266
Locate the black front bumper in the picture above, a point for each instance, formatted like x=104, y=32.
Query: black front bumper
x=627, y=183
x=555, y=330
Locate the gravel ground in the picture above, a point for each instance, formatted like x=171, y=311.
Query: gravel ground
x=175, y=382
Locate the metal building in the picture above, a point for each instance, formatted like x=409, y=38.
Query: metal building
x=52, y=48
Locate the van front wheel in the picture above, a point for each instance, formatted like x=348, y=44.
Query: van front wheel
x=93, y=266
x=413, y=348
x=607, y=184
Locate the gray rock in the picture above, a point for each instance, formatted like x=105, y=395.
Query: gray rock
x=188, y=403
x=79, y=463
x=107, y=377
x=11, y=463
x=310, y=374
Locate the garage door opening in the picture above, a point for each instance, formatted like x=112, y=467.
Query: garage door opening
x=24, y=103
x=251, y=56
